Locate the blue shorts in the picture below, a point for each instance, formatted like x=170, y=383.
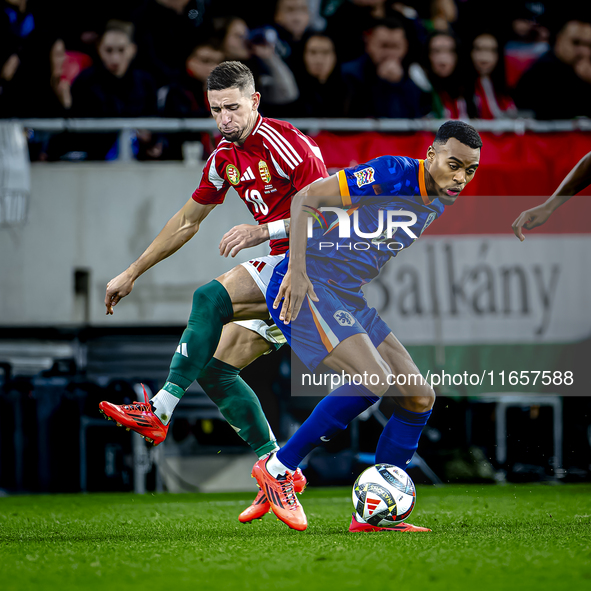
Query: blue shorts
x=322, y=325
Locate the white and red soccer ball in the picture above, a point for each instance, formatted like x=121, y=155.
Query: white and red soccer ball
x=384, y=495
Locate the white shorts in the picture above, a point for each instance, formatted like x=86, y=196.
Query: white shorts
x=261, y=270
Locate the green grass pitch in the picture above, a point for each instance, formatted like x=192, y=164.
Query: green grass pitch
x=496, y=537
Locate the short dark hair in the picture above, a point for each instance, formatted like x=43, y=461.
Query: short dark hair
x=391, y=23
x=460, y=130
x=211, y=42
x=115, y=25
x=230, y=75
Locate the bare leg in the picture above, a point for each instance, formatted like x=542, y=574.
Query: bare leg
x=240, y=346
x=416, y=395
x=248, y=301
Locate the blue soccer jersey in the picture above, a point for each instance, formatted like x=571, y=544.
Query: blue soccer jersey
x=385, y=209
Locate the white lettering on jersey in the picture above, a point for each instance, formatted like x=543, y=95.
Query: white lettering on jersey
x=254, y=197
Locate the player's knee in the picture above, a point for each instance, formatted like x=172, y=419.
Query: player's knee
x=421, y=403
x=211, y=299
x=201, y=296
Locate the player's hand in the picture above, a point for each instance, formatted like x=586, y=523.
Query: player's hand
x=243, y=236
x=116, y=289
x=530, y=219
x=293, y=290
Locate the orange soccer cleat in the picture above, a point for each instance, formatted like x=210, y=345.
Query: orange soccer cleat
x=281, y=496
x=138, y=417
x=358, y=526
x=261, y=506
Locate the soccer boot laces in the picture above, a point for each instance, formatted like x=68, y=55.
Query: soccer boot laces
x=281, y=496
x=261, y=506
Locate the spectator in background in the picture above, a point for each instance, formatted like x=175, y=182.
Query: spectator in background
x=527, y=40
x=274, y=80
x=167, y=30
x=26, y=40
x=262, y=16
x=378, y=81
x=292, y=18
x=558, y=85
x=490, y=95
x=114, y=88
x=448, y=92
x=345, y=26
x=17, y=25
x=188, y=98
x=431, y=15
x=323, y=92
x=39, y=90
x=81, y=23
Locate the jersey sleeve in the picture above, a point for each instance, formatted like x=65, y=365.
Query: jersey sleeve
x=296, y=157
x=312, y=167
x=379, y=180
x=213, y=187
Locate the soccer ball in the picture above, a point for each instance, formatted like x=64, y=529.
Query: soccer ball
x=383, y=495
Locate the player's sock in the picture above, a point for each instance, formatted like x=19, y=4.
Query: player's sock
x=400, y=437
x=332, y=413
x=239, y=405
x=276, y=468
x=165, y=401
x=212, y=308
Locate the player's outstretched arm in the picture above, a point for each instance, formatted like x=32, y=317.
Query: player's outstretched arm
x=249, y=235
x=576, y=180
x=181, y=227
x=296, y=285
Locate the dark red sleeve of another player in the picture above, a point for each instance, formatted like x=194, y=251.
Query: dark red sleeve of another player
x=213, y=188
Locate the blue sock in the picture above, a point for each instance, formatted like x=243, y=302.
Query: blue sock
x=400, y=437
x=331, y=414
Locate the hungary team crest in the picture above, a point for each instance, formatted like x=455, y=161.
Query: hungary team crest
x=264, y=172
x=233, y=174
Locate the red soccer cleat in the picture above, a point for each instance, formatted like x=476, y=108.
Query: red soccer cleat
x=281, y=496
x=261, y=506
x=138, y=417
x=358, y=526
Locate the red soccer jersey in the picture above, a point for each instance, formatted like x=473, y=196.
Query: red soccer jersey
x=273, y=164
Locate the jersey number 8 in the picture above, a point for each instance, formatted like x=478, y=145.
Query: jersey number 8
x=254, y=197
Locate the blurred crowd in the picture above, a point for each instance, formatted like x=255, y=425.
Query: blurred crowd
x=311, y=58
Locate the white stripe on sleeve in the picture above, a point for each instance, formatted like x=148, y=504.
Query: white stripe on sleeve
x=283, y=142
x=288, y=159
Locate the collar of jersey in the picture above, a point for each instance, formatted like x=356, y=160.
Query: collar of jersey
x=426, y=199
